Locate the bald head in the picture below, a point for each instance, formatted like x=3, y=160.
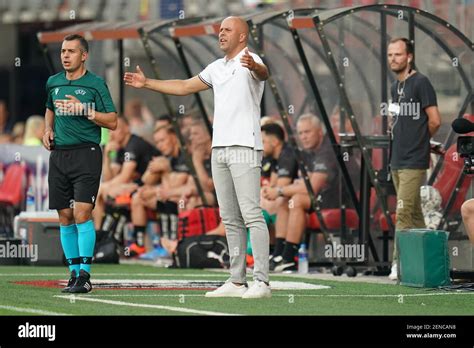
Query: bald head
x=233, y=35
x=241, y=25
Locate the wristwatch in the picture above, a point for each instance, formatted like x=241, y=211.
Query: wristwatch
x=280, y=191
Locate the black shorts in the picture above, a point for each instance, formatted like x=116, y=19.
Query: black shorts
x=167, y=207
x=74, y=175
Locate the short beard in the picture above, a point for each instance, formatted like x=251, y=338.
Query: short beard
x=398, y=71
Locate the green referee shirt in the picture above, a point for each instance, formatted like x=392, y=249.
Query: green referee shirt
x=90, y=89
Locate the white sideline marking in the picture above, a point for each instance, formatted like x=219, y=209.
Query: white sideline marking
x=116, y=274
x=275, y=285
x=394, y=295
x=141, y=305
x=295, y=295
x=30, y=310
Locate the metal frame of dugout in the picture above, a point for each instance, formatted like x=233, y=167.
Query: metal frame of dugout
x=297, y=20
x=414, y=18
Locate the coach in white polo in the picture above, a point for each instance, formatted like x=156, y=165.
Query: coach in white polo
x=237, y=81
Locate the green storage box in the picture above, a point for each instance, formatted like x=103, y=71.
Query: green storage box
x=423, y=257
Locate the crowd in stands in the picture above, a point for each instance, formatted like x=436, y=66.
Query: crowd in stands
x=27, y=133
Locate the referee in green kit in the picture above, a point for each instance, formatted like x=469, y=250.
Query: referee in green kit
x=78, y=105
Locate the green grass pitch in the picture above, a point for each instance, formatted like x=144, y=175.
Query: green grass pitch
x=342, y=298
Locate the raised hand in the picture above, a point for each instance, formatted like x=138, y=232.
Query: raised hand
x=69, y=106
x=247, y=61
x=159, y=164
x=136, y=79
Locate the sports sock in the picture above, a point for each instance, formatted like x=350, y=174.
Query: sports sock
x=86, y=239
x=163, y=219
x=168, y=211
x=139, y=235
x=70, y=246
x=172, y=211
x=279, y=246
x=289, y=252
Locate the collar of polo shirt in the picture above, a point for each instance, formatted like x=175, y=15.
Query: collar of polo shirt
x=240, y=54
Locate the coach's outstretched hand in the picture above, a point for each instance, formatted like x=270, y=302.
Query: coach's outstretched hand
x=136, y=80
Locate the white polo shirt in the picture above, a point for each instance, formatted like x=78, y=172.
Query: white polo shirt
x=237, y=96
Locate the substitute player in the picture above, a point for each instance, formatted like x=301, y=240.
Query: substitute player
x=78, y=105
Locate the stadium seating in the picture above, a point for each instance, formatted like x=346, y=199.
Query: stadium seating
x=12, y=193
x=332, y=219
x=13, y=186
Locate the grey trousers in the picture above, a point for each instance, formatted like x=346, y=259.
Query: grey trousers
x=236, y=175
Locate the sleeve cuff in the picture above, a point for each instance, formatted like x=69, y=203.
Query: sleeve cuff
x=202, y=79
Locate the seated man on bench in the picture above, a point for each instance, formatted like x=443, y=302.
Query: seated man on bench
x=323, y=174
x=121, y=174
x=163, y=176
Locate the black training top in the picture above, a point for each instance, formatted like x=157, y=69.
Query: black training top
x=287, y=166
x=178, y=164
x=268, y=166
x=323, y=160
x=138, y=150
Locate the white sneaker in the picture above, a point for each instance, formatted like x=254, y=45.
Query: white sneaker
x=394, y=272
x=258, y=290
x=229, y=289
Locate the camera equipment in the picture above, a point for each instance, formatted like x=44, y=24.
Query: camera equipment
x=465, y=144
